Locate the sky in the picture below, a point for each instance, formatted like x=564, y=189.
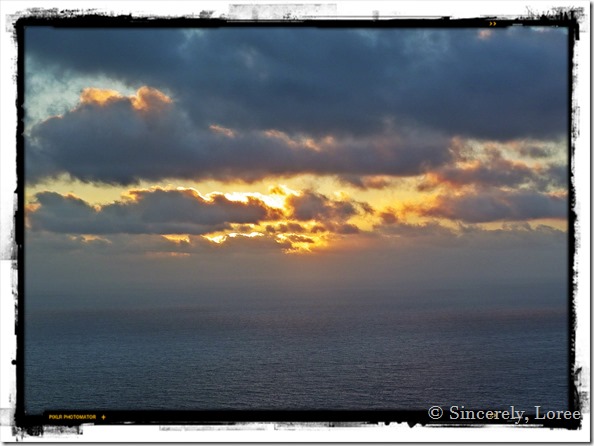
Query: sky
x=174, y=162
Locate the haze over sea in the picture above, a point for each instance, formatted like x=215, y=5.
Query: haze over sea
x=360, y=349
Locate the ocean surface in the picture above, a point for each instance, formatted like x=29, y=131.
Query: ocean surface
x=360, y=350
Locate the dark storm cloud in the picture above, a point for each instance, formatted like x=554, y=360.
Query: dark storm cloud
x=115, y=142
x=151, y=212
x=122, y=53
x=511, y=83
x=498, y=205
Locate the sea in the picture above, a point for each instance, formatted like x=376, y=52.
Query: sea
x=356, y=349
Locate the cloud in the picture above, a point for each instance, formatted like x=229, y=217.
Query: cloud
x=301, y=222
x=154, y=211
x=555, y=175
x=496, y=171
x=311, y=205
x=146, y=99
x=493, y=88
x=367, y=182
x=392, y=225
x=497, y=205
x=534, y=151
x=110, y=138
x=99, y=96
x=289, y=227
x=345, y=82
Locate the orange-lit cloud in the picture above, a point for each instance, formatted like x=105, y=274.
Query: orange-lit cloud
x=177, y=238
x=145, y=99
x=223, y=237
x=99, y=96
x=223, y=130
x=148, y=98
x=276, y=198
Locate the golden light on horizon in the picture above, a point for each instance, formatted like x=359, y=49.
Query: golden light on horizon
x=314, y=223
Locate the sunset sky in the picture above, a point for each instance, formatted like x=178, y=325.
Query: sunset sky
x=185, y=160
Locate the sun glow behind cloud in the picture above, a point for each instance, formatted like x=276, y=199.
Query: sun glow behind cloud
x=275, y=199
x=280, y=230
x=284, y=217
x=300, y=221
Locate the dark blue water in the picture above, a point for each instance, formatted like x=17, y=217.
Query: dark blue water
x=364, y=350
